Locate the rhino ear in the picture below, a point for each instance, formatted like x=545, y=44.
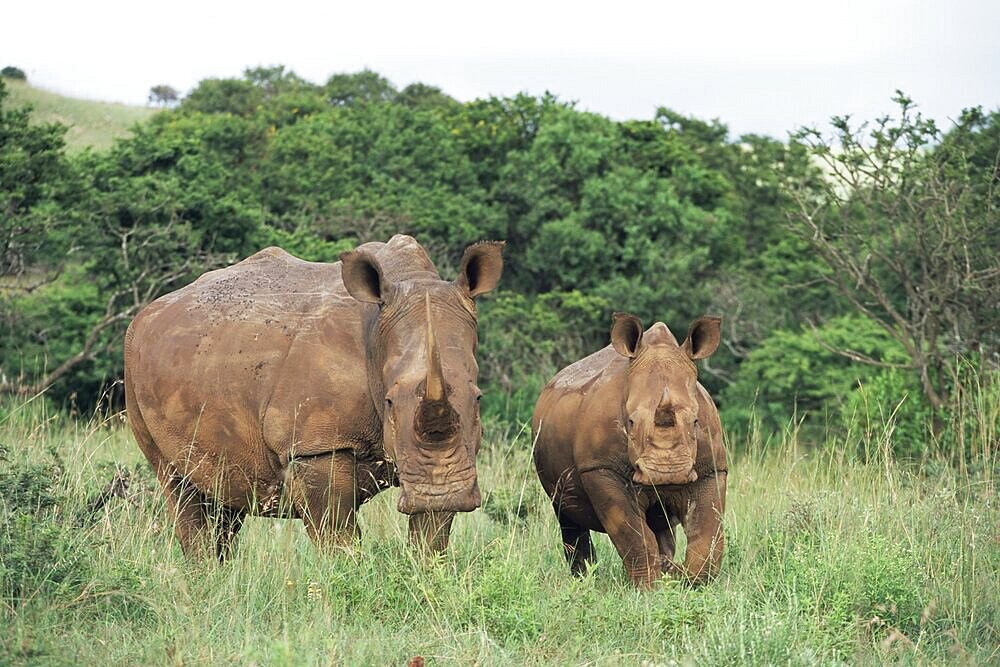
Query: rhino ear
x=626, y=334
x=362, y=277
x=703, y=337
x=482, y=265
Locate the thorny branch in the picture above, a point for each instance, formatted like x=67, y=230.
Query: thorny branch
x=908, y=228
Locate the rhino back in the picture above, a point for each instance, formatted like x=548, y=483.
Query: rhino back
x=575, y=418
x=248, y=363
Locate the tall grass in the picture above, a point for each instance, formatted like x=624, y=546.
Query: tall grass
x=834, y=554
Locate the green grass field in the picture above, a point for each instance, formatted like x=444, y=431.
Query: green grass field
x=90, y=123
x=829, y=560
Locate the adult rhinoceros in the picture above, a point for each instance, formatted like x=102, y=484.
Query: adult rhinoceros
x=281, y=387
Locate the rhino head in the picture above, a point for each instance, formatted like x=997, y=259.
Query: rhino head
x=422, y=370
x=660, y=406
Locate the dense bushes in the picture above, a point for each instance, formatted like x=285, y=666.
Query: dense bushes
x=668, y=218
x=798, y=373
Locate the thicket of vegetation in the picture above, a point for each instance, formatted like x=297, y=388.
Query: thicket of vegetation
x=863, y=258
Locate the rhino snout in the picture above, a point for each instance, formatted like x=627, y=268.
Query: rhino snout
x=419, y=498
x=648, y=475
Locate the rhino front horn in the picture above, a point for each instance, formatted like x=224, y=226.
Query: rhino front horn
x=434, y=386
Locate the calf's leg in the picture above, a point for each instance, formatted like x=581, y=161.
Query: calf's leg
x=703, y=527
x=663, y=526
x=620, y=515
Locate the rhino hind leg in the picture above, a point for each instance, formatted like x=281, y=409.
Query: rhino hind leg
x=322, y=491
x=189, y=508
x=577, y=546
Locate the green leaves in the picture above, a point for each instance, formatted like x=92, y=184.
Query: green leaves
x=797, y=372
x=669, y=218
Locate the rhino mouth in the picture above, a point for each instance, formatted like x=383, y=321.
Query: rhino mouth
x=432, y=480
x=418, y=501
x=651, y=475
x=416, y=498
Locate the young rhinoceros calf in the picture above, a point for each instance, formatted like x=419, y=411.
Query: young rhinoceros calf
x=627, y=442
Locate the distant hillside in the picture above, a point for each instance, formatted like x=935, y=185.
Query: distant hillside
x=90, y=123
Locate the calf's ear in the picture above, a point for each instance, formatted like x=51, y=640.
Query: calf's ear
x=626, y=334
x=482, y=265
x=363, y=277
x=703, y=337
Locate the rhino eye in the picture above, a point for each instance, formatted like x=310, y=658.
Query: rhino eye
x=388, y=402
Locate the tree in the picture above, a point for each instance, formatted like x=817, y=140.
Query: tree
x=33, y=173
x=420, y=95
x=163, y=95
x=910, y=233
x=10, y=72
x=150, y=215
x=359, y=88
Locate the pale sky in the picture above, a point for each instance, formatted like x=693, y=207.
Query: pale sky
x=766, y=66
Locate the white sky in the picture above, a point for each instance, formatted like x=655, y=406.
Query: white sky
x=765, y=66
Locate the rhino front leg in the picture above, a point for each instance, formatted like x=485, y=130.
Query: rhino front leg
x=619, y=513
x=430, y=530
x=703, y=527
x=322, y=492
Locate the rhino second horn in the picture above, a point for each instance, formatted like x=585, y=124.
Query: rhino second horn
x=435, y=376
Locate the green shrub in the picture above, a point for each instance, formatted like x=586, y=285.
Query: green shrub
x=508, y=506
x=38, y=554
x=890, y=407
x=39, y=548
x=864, y=582
x=794, y=373
x=11, y=72
x=504, y=600
x=48, y=547
x=525, y=340
x=890, y=397
x=28, y=488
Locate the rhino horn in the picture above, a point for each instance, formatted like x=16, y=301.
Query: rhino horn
x=434, y=387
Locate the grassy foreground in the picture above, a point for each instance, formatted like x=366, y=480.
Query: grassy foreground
x=89, y=122
x=829, y=560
